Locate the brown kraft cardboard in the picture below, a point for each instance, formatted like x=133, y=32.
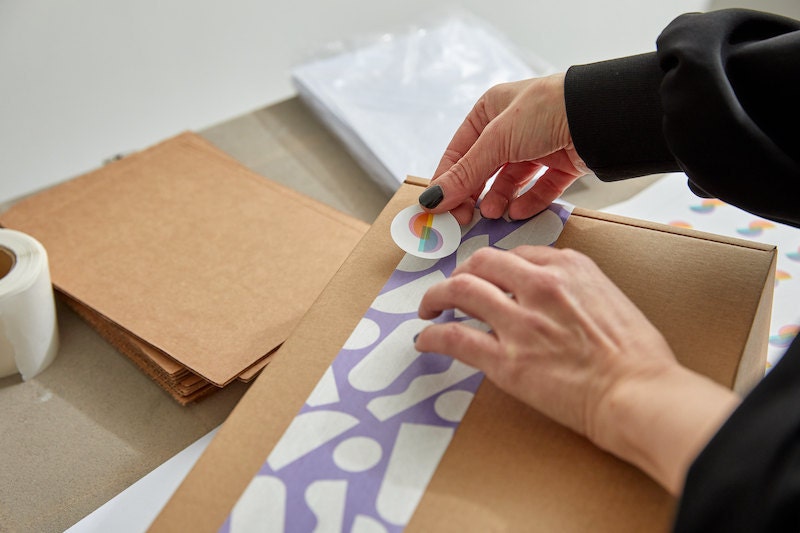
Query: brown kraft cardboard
x=509, y=468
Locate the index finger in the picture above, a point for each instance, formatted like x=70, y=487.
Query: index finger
x=466, y=179
x=464, y=137
x=468, y=162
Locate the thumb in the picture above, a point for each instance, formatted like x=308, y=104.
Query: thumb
x=464, y=180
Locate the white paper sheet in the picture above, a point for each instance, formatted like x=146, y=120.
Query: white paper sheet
x=669, y=201
x=134, y=509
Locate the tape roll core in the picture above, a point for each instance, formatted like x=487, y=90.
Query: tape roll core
x=7, y=261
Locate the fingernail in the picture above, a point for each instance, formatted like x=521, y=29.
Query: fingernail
x=415, y=338
x=431, y=197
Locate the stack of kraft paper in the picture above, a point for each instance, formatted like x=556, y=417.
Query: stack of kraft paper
x=191, y=265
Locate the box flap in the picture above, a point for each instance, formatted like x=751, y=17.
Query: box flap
x=508, y=467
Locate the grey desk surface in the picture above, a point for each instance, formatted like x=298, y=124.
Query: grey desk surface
x=92, y=424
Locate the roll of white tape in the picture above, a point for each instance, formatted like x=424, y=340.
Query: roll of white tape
x=28, y=329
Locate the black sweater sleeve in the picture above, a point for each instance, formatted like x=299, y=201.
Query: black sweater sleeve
x=718, y=100
x=748, y=477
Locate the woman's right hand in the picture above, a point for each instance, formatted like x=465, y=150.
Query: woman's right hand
x=568, y=342
x=518, y=127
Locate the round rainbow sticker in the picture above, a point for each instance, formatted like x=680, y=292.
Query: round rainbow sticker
x=425, y=235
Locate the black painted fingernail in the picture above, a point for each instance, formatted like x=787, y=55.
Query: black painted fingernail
x=431, y=197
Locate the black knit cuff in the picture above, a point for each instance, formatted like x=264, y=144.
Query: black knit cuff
x=615, y=117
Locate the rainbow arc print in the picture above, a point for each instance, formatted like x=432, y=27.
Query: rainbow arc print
x=421, y=225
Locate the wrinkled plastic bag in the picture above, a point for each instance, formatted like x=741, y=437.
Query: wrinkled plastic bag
x=396, y=100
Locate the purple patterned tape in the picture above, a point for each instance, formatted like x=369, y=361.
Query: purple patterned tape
x=361, y=451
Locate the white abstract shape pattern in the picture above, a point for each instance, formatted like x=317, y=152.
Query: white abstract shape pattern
x=543, y=229
x=363, y=448
x=470, y=246
x=366, y=332
x=367, y=524
x=326, y=500
x=381, y=366
x=476, y=217
x=452, y=405
x=326, y=392
x=420, y=389
x=307, y=432
x=467, y=248
x=412, y=263
x=357, y=454
x=261, y=507
x=417, y=451
x=405, y=299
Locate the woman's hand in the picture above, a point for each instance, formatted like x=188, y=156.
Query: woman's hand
x=565, y=340
x=519, y=127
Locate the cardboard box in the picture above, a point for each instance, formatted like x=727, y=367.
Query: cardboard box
x=187, y=261
x=509, y=468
